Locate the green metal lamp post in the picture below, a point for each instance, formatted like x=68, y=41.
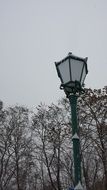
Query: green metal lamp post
x=72, y=71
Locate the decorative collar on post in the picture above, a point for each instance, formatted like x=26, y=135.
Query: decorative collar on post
x=78, y=186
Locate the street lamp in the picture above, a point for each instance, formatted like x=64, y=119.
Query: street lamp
x=72, y=71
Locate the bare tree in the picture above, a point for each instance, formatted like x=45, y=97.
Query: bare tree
x=15, y=148
x=51, y=128
x=93, y=121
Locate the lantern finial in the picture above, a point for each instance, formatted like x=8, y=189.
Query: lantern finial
x=70, y=53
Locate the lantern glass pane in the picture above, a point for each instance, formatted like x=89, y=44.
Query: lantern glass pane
x=76, y=69
x=83, y=75
x=64, y=71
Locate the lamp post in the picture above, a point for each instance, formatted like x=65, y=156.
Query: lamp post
x=72, y=71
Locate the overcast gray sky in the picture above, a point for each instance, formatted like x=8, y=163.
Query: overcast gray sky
x=36, y=33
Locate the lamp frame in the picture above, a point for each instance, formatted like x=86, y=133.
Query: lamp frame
x=72, y=87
